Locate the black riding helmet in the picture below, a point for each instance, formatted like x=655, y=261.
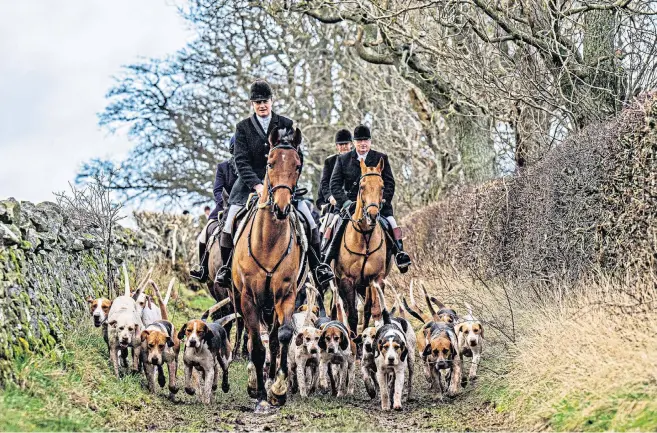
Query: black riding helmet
x=343, y=136
x=260, y=91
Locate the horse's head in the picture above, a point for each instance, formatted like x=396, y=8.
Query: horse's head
x=370, y=193
x=283, y=169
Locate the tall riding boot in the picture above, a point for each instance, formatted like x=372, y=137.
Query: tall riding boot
x=402, y=259
x=223, y=277
x=322, y=272
x=334, y=245
x=201, y=273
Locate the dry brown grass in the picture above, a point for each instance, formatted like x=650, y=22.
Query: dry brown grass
x=578, y=357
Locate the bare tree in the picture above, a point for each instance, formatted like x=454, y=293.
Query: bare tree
x=90, y=208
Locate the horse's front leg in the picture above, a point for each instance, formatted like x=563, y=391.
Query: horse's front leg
x=284, y=311
x=273, y=351
x=256, y=382
x=348, y=294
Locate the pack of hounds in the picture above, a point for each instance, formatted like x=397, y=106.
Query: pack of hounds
x=324, y=352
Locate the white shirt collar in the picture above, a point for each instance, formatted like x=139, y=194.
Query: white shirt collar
x=359, y=156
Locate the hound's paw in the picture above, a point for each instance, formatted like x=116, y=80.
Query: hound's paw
x=173, y=389
x=397, y=407
x=190, y=391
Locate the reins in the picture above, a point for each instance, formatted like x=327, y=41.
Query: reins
x=367, y=234
x=270, y=203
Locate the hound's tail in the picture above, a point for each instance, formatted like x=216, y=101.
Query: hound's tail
x=223, y=321
x=126, y=280
x=158, y=295
x=382, y=302
x=214, y=308
x=311, y=298
x=169, y=289
x=469, y=309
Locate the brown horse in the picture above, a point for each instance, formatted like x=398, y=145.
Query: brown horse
x=266, y=263
x=363, y=259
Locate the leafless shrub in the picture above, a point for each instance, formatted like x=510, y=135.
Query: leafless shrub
x=90, y=208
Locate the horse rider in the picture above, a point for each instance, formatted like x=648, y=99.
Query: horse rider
x=345, y=183
x=251, y=148
x=343, y=142
x=342, y=145
x=224, y=180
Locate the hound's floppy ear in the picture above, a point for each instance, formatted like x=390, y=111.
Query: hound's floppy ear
x=112, y=323
x=358, y=339
x=404, y=353
x=344, y=341
x=181, y=333
x=363, y=167
x=298, y=138
x=457, y=328
x=273, y=137
x=169, y=341
x=208, y=334
x=144, y=334
x=482, y=331
x=322, y=340
x=299, y=340
x=427, y=350
x=380, y=165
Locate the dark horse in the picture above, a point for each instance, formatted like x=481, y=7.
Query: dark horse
x=266, y=263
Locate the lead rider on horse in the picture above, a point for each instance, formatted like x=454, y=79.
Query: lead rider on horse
x=344, y=188
x=251, y=147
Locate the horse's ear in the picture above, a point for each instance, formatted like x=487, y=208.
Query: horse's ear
x=273, y=137
x=380, y=165
x=363, y=167
x=297, y=138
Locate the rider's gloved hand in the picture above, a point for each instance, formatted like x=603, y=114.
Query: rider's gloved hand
x=333, y=201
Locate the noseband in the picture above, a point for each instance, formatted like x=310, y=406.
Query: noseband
x=271, y=189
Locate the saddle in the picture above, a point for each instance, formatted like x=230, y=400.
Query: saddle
x=299, y=226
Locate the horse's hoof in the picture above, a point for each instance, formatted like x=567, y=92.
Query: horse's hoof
x=253, y=392
x=262, y=407
x=173, y=389
x=277, y=399
x=190, y=391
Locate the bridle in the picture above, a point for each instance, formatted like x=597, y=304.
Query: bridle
x=366, y=207
x=367, y=234
x=273, y=208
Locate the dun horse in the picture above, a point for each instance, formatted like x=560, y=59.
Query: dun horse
x=266, y=265
x=363, y=259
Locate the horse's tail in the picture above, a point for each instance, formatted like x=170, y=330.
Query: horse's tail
x=382, y=302
x=214, y=308
x=158, y=295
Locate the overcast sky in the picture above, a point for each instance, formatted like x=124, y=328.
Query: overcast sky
x=57, y=59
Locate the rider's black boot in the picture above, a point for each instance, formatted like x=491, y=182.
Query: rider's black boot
x=402, y=259
x=223, y=277
x=201, y=272
x=334, y=244
x=322, y=272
